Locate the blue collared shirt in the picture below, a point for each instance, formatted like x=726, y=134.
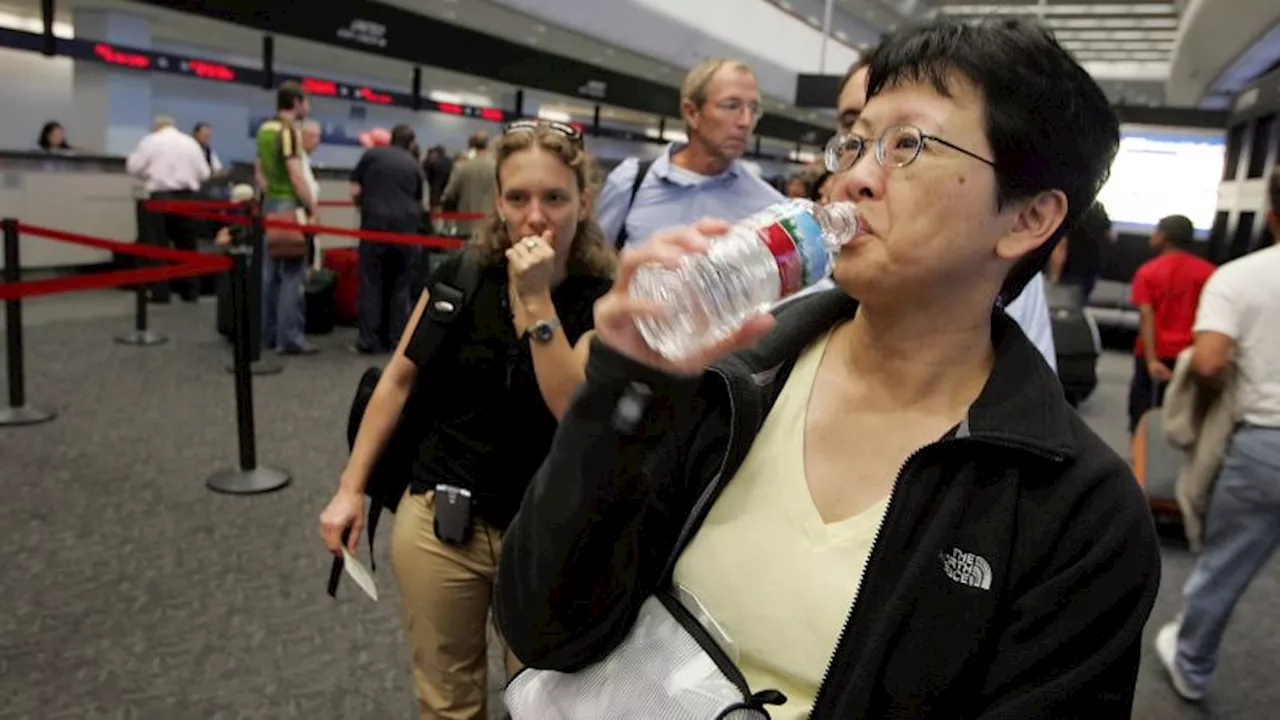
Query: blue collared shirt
x=668, y=198
x=1030, y=310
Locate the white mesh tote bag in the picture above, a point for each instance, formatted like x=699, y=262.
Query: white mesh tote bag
x=668, y=668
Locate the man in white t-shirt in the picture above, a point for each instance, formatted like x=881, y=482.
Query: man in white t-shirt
x=1238, y=323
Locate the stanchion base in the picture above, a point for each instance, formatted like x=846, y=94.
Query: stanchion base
x=24, y=415
x=264, y=366
x=235, y=481
x=142, y=338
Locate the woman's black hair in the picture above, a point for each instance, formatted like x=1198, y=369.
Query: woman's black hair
x=47, y=130
x=815, y=190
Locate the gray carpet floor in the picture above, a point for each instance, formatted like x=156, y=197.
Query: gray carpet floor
x=128, y=590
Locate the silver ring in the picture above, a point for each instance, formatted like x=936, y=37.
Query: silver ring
x=531, y=244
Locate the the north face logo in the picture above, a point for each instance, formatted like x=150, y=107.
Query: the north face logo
x=967, y=568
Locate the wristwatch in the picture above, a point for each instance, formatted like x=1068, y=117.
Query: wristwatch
x=543, y=330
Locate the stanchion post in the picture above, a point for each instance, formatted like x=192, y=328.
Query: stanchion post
x=248, y=478
x=18, y=412
x=140, y=335
x=258, y=364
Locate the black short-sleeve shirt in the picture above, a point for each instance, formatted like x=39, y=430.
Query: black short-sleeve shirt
x=483, y=422
x=391, y=185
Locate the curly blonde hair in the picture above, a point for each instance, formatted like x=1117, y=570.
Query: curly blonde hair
x=590, y=253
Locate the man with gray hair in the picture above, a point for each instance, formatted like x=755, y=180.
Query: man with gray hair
x=704, y=177
x=172, y=166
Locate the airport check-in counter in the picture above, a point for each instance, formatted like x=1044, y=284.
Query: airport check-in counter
x=94, y=195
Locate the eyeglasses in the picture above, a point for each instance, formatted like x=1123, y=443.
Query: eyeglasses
x=735, y=108
x=559, y=128
x=896, y=147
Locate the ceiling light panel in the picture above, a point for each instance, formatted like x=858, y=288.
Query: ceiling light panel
x=1112, y=22
x=1063, y=9
x=1113, y=44
x=1169, y=35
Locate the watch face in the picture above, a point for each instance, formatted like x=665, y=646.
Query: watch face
x=543, y=331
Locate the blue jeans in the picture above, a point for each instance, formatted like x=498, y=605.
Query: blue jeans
x=284, y=294
x=1241, y=533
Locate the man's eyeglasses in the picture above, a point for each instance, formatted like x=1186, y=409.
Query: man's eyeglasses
x=896, y=147
x=735, y=108
x=559, y=128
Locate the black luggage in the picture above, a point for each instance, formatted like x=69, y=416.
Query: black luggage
x=225, y=314
x=321, y=301
x=1075, y=338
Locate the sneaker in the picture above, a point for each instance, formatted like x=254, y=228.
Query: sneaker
x=1167, y=651
x=304, y=349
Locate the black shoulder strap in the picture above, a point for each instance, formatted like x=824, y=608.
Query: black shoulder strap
x=642, y=169
x=450, y=296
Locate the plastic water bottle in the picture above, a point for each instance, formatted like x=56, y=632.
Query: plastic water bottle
x=762, y=259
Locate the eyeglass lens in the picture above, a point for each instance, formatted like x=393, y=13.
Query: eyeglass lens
x=896, y=147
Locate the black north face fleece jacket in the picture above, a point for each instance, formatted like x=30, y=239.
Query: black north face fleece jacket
x=1012, y=576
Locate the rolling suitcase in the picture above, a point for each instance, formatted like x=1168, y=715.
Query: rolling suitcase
x=344, y=262
x=1076, y=341
x=222, y=291
x=321, y=299
x=1156, y=464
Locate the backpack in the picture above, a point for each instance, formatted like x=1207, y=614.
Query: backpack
x=451, y=294
x=642, y=169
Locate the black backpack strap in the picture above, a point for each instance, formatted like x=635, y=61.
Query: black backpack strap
x=642, y=169
x=450, y=295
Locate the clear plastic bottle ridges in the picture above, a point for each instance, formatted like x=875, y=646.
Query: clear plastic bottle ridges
x=762, y=259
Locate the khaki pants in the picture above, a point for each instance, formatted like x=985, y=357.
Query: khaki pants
x=446, y=592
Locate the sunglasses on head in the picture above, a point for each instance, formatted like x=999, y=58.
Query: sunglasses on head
x=559, y=128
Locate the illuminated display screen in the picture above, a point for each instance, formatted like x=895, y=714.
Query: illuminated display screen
x=319, y=87
x=204, y=69
x=136, y=59
x=484, y=113
x=1163, y=171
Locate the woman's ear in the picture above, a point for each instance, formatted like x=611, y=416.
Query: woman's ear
x=584, y=209
x=1036, y=220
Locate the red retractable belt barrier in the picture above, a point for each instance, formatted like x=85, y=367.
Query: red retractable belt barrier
x=185, y=264
x=197, y=209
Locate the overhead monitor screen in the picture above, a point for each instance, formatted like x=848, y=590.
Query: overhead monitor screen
x=1162, y=171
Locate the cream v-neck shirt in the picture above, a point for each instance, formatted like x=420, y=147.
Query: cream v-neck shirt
x=776, y=579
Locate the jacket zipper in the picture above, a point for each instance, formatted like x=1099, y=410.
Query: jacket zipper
x=699, y=507
x=838, y=653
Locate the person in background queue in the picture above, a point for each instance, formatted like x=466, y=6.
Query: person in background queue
x=387, y=186
x=797, y=187
x=821, y=193
x=470, y=187
x=53, y=139
x=203, y=133
x=312, y=133
x=172, y=167
x=490, y=404
x=283, y=181
x=885, y=503
x=720, y=104
x=1166, y=290
x=437, y=167
x=1079, y=259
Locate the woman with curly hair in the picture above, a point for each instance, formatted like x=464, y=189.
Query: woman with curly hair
x=490, y=403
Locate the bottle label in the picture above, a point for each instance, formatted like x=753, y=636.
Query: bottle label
x=795, y=239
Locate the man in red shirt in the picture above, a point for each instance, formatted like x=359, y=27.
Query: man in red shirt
x=1166, y=290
